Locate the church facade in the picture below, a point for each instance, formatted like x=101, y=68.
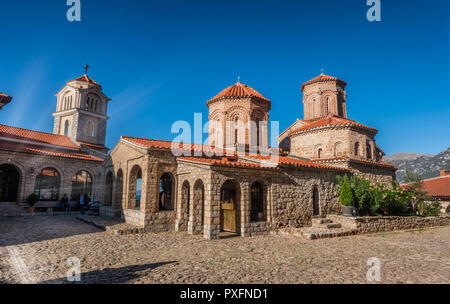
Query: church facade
x=236, y=184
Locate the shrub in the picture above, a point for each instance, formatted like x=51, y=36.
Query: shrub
x=346, y=197
x=32, y=199
x=373, y=199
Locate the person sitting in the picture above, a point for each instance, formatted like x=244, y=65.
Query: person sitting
x=64, y=203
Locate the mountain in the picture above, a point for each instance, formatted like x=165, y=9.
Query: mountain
x=427, y=165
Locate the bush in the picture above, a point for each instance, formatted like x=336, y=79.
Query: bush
x=346, y=196
x=32, y=199
x=373, y=199
x=426, y=209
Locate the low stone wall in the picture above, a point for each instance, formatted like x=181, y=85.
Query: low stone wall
x=109, y=211
x=151, y=222
x=370, y=224
x=256, y=229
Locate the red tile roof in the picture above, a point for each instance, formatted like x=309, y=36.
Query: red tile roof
x=58, y=152
x=5, y=98
x=36, y=136
x=85, y=78
x=438, y=186
x=295, y=162
x=238, y=90
x=227, y=161
x=167, y=145
x=224, y=162
x=92, y=145
x=346, y=158
x=329, y=121
x=323, y=78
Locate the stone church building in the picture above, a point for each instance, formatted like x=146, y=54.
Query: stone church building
x=236, y=184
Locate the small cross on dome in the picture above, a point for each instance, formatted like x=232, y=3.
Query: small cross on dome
x=322, y=70
x=86, y=68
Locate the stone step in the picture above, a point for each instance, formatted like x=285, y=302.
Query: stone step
x=331, y=225
x=319, y=221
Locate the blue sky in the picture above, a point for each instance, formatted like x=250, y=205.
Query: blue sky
x=159, y=61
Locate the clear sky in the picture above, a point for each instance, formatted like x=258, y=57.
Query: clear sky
x=159, y=61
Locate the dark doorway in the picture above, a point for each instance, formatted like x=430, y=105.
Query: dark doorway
x=165, y=192
x=316, y=204
x=9, y=183
x=257, y=203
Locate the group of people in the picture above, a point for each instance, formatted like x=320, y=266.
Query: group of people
x=84, y=202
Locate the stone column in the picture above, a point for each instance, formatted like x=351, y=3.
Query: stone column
x=212, y=219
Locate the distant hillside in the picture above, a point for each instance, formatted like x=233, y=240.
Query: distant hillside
x=427, y=165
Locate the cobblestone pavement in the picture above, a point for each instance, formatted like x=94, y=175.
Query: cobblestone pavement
x=36, y=249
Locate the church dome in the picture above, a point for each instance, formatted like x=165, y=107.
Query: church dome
x=324, y=78
x=238, y=90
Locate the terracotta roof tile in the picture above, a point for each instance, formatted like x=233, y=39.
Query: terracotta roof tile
x=167, y=145
x=58, y=152
x=85, y=78
x=344, y=158
x=224, y=161
x=294, y=162
x=36, y=136
x=238, y=90
x=331, y=120
x=438, y=187
x=323, y=78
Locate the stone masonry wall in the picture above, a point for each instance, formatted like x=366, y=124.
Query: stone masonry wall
x=371, y=224
x=29, y=166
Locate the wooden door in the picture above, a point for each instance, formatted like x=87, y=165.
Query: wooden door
x=228, y=217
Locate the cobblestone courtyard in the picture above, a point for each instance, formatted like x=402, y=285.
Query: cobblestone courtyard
x=36, y=249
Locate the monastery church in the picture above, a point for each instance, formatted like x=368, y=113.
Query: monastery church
x=143, y=182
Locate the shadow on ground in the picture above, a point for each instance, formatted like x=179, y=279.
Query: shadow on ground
x=111, y=275
x=23, y=230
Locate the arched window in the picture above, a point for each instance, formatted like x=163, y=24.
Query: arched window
x=319, y=153
x=369, y=151
x=257, y=213
x=338, y=149
x=9, y=183
x=88, y=104
x=81, y=185
x=66, y=128
x=90, y=129
x=356, y=148
x=165, y=192
x=47, y=185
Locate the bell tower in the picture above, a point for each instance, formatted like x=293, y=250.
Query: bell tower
x=81, y=111
x=322, y=96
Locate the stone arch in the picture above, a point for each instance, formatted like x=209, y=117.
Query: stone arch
x=108, y=195
x=357, y=148
x=318, y=151
x=48, y=184
x=315, y=201
x=10, y=183
x=197, y=213
x=82, y=184
x=369, y=150
x=338, y=149
x=118, y=190
x=230, y=198
x=166, y=191
x=135, y=188
x=186, y=200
